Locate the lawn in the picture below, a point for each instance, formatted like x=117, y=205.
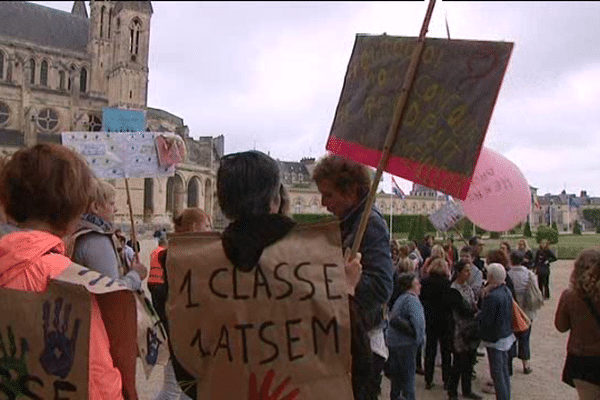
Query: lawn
x=567, y=248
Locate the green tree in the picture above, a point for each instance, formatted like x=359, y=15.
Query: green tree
x=598, y=229
x=527, y=230
x=467, y=229
x=576, y=228
x=494, y=235
x=545, y=232
x=554, y=226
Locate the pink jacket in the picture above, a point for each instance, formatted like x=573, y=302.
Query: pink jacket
x=28, y=261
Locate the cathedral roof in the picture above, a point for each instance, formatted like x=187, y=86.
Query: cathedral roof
x=140, y=6
x=43, y=25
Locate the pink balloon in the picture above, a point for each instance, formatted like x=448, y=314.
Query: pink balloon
x=499, y=196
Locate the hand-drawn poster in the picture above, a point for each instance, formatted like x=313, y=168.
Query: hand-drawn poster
x=447, y=112
x=44, y=343
x=113, y=155
x=447, y=216
x=123, y=120
x=284, y=325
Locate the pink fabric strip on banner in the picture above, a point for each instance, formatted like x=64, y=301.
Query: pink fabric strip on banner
x=448, y=182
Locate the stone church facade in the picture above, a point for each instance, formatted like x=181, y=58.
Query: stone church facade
x=57, y=72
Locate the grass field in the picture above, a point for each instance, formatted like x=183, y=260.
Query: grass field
x=567, y=248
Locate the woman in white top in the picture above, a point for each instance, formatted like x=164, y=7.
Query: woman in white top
x=520, y=276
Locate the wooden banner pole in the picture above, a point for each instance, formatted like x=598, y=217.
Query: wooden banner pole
x=133, y=235
x=394, y=126
x=460, y=235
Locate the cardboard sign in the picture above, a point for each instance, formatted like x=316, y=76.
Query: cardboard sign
x=113, y=155
x=122, y=120
x=447, y=216
x=447, y=113
x=44, y=343
x=151, y=336
x=243, y=334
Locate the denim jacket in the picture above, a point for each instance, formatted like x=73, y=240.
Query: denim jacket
x=495, y=318
x=408, y=307
x=375, y=286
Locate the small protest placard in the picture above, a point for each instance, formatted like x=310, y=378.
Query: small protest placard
x=447, y=216
x=447, y=112
x=286, y=322
x=123, y=120
x=44, y=342
x=113, y=155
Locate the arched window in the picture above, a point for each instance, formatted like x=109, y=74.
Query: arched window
x=134, y=37
x=110, y=15
x=4, y=112
x=1, y=65
x=83, y=80
x=148, y=199
x=44, y=73
x=71, y=72
x=61, y=80
x=102, y=11
x=32, y=72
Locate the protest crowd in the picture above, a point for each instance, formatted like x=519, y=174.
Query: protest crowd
x=403, y=300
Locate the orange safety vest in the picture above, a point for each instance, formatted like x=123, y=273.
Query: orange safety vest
x=157, y=275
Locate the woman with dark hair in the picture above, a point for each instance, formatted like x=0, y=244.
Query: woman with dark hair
x=541, y=263
x=464, y=334
x=44, y=189
x=405, y=334
x=578, y=311
x=435, y=296
x=251, y=195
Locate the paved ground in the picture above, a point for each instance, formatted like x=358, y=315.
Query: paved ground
x=548, y=354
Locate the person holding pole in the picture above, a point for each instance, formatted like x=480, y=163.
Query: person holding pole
x=95, y=246
x=344, y=186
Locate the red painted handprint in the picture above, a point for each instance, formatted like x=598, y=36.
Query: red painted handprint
x=254, y=394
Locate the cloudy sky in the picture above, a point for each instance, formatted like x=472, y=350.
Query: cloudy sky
x=268, y=75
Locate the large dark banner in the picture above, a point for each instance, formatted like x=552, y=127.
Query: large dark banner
x=447, y=113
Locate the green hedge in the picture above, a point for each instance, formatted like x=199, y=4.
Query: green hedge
x=310, y=217
x=567, y=253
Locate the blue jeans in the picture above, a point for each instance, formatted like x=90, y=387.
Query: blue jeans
x=523, y=351
x=498, y=361
x=403, y=367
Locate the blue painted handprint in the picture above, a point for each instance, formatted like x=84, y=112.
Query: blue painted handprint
x=14, y=375
x=59, y=350
x=153, y=343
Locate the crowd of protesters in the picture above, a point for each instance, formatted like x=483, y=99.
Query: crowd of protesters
x=405, y=299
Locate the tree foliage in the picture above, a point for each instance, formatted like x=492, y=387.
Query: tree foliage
x=576, y=228
x=527, y=230
x=545, y=232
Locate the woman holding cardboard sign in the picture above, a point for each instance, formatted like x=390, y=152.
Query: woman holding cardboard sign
x=281, y=286
x=44, y=189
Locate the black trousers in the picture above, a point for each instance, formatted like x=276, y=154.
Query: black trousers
x=433, y=337
x=366, y=382
x=544, y=284
x=462, y=368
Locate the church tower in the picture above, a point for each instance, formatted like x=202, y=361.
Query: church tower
x=128, y=71
x=101, y=37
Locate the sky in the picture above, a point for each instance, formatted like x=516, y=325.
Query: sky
x=268, y=75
